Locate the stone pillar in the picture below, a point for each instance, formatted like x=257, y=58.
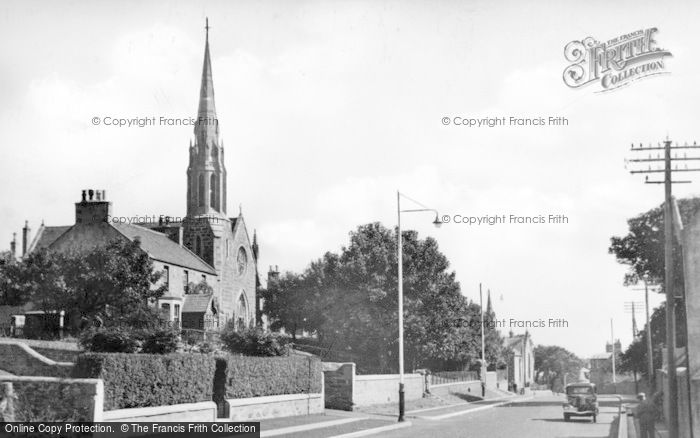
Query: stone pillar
x=7, y=402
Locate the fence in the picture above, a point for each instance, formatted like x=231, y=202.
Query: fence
x=192, y=336
x=441, y=377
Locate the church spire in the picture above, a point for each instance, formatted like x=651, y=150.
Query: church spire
x=206, y=173
x=489, y=307
x=207, y=108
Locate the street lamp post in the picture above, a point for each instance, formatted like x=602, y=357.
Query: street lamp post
x=437, y=223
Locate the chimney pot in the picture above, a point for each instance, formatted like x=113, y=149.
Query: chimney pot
x=25, y=238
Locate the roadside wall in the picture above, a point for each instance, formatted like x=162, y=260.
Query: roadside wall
x=345, y=390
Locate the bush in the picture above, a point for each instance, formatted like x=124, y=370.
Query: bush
x=109, y=340
x=243, y=377
x=160, y=341
x=140, y=380
x=253, y=342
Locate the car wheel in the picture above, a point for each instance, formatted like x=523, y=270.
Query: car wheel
x=566, y=417
x=595, y=419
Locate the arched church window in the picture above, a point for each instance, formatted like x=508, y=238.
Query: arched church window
x=200, y=190
x=198, y=246
x=214, y=192
x=241, y=312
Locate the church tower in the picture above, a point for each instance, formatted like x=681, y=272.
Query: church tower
x=222, y=242
x=206, y=173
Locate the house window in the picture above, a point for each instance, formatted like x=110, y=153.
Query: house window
x=166, y=275
x=165, y=309
x=186, y=280
x=176, y=316
x=204, y=278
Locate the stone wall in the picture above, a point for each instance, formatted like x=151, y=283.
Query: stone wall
x=30, y=398
x=345, y=390
x=472, y=388
x=186, y=412
x=377, y=389
x=275, y=406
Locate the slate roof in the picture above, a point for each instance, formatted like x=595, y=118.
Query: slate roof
x=161, y=248
x=158, y=246
x=601, y=356
x=515, y=340
x=196, y=303
x=46, y=236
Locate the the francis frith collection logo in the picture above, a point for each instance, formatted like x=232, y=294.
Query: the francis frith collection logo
x=616, y=62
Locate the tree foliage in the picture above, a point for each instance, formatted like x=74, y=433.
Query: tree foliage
x=349, y=301
x=113, y=282
x=642, y=250
x=552, y=363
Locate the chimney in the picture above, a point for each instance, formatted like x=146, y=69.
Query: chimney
x=13, y=245
x=273, y=275
x=93, y=207
x=25, y=238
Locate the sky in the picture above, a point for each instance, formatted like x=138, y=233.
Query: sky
x=327, y=108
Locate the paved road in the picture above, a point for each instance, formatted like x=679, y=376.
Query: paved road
x=540, y=417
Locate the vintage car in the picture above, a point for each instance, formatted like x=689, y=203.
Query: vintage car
x=581, y=401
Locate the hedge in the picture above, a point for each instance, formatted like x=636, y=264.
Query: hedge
x=246, y=376
x=140, y=380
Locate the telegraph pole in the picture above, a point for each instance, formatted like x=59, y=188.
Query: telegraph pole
x=672, y=383
x=612, y=341
x=630, y=308
x=650, y=350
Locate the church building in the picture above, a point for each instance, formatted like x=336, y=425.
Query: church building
x=209, y=260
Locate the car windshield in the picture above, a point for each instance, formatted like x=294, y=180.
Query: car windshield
x=579, y=390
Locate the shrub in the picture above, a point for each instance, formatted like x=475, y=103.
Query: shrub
x=253, y=342
x=109, y=340
x=242, y=377
x=139, y=380
x=160, y=341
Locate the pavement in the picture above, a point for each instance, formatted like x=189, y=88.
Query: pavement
x=536, y=416
x=330, y=424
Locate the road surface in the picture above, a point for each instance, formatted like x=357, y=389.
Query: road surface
x=539, y=417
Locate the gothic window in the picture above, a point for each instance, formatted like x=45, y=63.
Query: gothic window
x=198, y=246
x=200, y=190
x=186, y=281
x=242, y=260
x=241, y=312
x=214, y=192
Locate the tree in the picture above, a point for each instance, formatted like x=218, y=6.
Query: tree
x=635, y=357
x=642, y=250
x=552, y=363
x=350, y=301
x=112, y=282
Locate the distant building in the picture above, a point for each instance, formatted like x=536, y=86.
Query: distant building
x=521, y=363
x=600, y=364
